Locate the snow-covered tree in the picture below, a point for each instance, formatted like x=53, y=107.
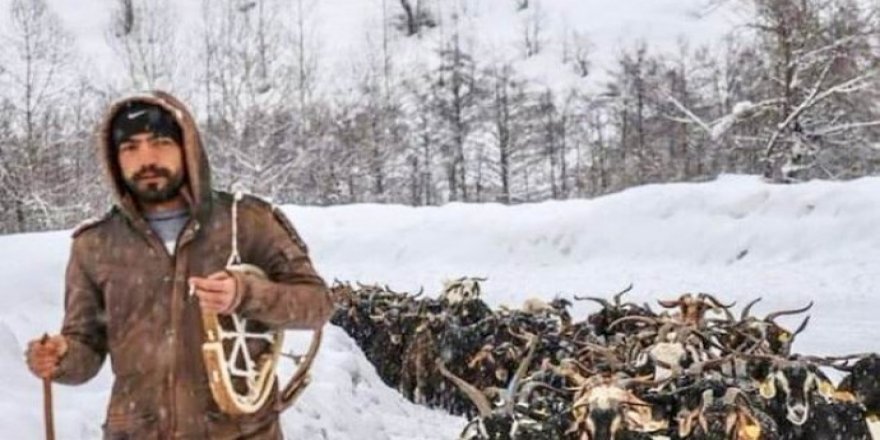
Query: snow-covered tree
x=251, y=72
x=143, y=37
x=456, y=95
x=35, y=81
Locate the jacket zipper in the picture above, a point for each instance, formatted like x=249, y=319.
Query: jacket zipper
x=186, y=235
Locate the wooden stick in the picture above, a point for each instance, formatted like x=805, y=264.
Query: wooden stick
x=47, y=401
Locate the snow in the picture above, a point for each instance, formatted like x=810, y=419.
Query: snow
x=743, y=109
x=346, y=33
x=736, y=237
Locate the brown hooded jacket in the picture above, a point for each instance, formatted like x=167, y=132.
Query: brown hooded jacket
x=127, y=297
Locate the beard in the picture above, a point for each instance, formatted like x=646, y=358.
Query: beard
x=154, y=192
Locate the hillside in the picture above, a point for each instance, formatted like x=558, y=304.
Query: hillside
x=736, y=237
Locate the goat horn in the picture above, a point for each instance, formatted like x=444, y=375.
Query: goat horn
x=801, y=327
x=716, y=302
x=602, y=302
x=775, y=315
x=525, y=335
x=669, y=304
x=520, y=372
x=621, y=293
x=832, y=361
x=748, y=308
x=646, y=319
x=589, y=346
x=580, y=365
x=644, y=380
x=476, y=396
x=705, y=338
x=531, y=386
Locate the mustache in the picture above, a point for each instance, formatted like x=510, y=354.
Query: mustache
x=152, y=170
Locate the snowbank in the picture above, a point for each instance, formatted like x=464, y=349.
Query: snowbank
x=736, y=237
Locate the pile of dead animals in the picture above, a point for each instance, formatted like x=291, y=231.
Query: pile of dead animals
x=689, y=370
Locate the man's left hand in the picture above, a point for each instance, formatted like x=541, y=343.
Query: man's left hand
x=216, y=293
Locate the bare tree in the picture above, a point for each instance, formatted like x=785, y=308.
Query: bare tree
x=415, y=17
x=250, y=75
x=630, y=91
x=422, y=143
x=306, y=49
x=533, y=28
x=509, y=118
x=822, y=77
x=456, y=95
x=580, y=54
x=34, y=82
x=142, y=38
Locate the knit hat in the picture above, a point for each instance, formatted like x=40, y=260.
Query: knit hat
x=138, y=117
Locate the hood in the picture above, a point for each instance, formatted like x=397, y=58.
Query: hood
x=197, y=186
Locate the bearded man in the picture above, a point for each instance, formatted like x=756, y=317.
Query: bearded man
x=130, y=273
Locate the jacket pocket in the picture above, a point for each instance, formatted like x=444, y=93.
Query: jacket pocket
x=131, y=426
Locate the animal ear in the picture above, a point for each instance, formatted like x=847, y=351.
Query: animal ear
x=845, y=396
x=638, y=414
x=686, y=425
x=826, y=389
x=730, y=425
x=768, y=387
x=748, y=427
x=703, y=422
x=580, y=410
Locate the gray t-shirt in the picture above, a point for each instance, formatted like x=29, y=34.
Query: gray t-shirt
x=167, y=225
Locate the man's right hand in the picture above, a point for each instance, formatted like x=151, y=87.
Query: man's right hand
x=44, y=354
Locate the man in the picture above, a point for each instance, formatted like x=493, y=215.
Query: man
x=129, y=276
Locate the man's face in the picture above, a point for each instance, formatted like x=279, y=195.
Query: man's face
x=152, y=167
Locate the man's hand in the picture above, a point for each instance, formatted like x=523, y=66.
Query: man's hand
x=216, y=293
x=44, y=354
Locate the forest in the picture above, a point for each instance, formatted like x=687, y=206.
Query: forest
x=790, y=93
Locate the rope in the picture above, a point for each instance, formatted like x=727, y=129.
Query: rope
x=234, y=258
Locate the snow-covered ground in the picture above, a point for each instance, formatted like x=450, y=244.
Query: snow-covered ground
x=736, y=237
